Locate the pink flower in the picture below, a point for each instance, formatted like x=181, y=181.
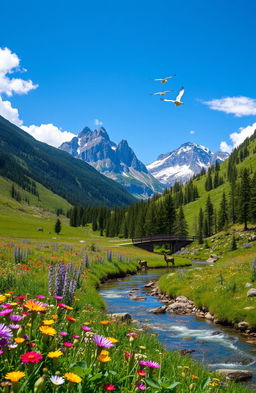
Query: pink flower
x=102, y=341
x=68, y=344
x=31, y=357
x=140, y=386
x=58, y=297
x=75, y=336
x=5, y=312
x=86, y=328
x=151, y=364
x=63, y=333
x=41, y=297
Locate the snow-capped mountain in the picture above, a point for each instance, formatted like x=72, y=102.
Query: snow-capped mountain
x=183, y=163
x=117, y=162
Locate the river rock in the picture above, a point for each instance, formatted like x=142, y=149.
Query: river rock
x=137, y=297
x=122, y=316
x=251, y=292
x=209, y=316
x=179, y=307
x=249, y=308
x=235, y=375
x=252, y=238
x=158, y=310
x=149, y=284
x=243, y=325
x=181, y=299
x=184, y=352
x=248, y=285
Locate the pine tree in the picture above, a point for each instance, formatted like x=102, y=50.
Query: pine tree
x=233, y=202
x=209, y=216
x=233, y=243
x=200, y=226
x=253, y=199
x=181, y=226
x=170, y=214
x=150, y=220
x=57, y=227
x=244, y=198
x=223, y=213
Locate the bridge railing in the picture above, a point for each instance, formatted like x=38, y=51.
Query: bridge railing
x=163, y=238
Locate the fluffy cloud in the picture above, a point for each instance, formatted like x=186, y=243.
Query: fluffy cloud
x=97, y=122
x=9, y=63
x=49, y=133
x=238, y=106
x=237, y=138
x=192, y=132
x=10, y=113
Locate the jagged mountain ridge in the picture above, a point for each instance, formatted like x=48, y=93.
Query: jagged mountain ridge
x=183, y=163
x=117, y=162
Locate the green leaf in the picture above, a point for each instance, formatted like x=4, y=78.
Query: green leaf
x=96, y=376
x=152, y=383
x=173, y=385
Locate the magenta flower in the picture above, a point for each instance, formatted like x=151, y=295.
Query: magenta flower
x=16, y=318
x=132, y=334
x=102, y=342
x=151, y=364
x=68, y=344
x=5, y=312
x=86, y=328
x=140, y=386
x=1, y=351
x=75, y=336
x=63, y=333
x=143, y=363
x=41, y=297
x=5, y=332
x=58, y=297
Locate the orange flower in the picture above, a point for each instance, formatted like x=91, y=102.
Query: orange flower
x=112, y=339
x=71, y=377
x=19, y=340
x=71, y=319
x=103, y=357
x=34, y=305
x=104, y=322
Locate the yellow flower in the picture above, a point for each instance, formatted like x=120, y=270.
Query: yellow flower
x=7, y=294
x=69, y=308
x=19, y=340
x=15, y=376
x=55, y=354
x=112, y=339
x=48, y=322
x=103, y=357
x=34, y=305
x=47, y=330
x=194, y=377
x=2, y=298
x=13, y=304
x=142, y=347
x=71, y=377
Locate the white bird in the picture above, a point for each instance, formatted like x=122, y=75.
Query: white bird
x=164, y=80
x=160, y=93
x=177, y=100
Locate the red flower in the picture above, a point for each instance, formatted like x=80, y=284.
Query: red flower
x=142, y=373
x=127, y=355
x=109, y=387
x=71, y=319
x=31, y=357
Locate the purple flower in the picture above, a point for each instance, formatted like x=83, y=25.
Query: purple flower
x=5, y=312
x=140, y=386
x=143, y=363
x=86, y=328
x=5, y=332
x=16, y=318
x=13, y=326
x=102, y=342
x=4, y=342
x=151, y=364
x=1, y=351
x=63, y=333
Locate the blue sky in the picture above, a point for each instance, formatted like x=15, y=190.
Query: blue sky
x=97, y=60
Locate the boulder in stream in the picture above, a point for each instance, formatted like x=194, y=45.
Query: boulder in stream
x=158, y=310
x=235, y=375
x=122, y=316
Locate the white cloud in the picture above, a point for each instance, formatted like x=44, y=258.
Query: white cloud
x=238, y=137
x=238, y=106
x=49, y=133
x=9, y=63
x=192, y=132
x=10, y=113
x=98, y=122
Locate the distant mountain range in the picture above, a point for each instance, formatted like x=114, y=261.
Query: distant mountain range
x=117, y=162
x=24, y=160
x=183, y=163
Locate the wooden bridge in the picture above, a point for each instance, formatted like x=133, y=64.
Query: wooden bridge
x=174, y=242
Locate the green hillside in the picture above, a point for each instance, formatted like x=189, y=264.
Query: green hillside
x=27, y=162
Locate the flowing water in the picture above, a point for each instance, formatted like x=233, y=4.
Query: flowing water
x=215, y=346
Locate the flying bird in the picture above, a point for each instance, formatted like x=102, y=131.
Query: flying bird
x=165, y=80
x=177, y=100
x=160, y=93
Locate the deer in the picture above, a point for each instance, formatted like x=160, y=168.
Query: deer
x=168, y=260
x=143, y=264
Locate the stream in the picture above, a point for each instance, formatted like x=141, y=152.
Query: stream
x=215, y=346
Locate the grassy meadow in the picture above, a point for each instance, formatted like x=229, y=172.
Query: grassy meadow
x=55, y=345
